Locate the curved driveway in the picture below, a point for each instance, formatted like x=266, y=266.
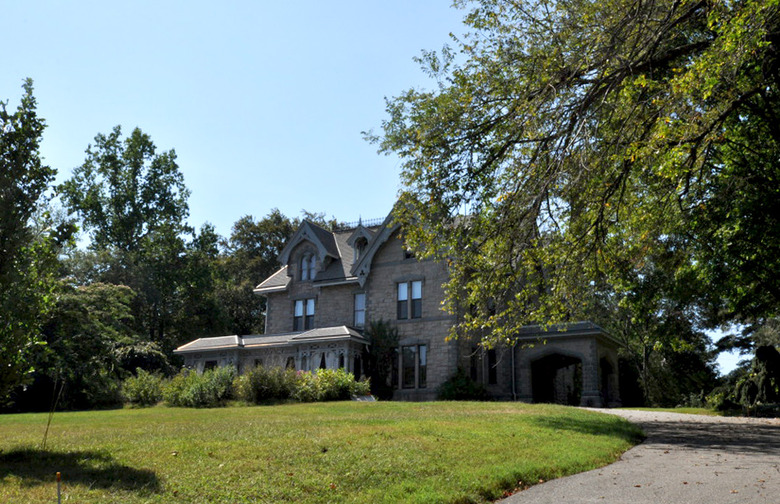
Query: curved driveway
x=685, y=459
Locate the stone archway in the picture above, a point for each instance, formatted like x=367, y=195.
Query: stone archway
x=557, y=378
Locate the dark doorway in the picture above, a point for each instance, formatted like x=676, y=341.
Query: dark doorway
x=557, y=379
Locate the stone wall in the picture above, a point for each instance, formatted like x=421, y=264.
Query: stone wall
x=388, y=268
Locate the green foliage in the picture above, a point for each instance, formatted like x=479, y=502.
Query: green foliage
x=29, y=239
x=250, y=256
x=611, y=153
x=143, y=389
x=381, y=357
x=192, y=390
x=261, y=385
x=761, y=386
x=460, y=387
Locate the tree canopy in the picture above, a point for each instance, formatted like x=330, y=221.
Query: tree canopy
x=29, y=240
x=573, y=145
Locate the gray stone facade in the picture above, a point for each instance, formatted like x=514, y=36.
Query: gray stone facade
x=332, y=284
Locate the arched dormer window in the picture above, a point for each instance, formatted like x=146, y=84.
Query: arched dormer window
x=308, y=263
x=360, y=246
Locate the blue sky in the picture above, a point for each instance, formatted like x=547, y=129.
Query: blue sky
x=264, y=102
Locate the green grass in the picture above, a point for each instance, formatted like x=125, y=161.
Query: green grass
x=325, y=452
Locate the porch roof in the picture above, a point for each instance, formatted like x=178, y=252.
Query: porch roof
x=320, y=334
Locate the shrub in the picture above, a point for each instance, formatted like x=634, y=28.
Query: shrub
x=461, y=387
x=143, y=389
x=334, y=385
x=189, y=389
x=266, y=384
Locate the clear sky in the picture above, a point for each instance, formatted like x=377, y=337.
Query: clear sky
x=263, y=101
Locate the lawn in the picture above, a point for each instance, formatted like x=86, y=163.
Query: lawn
x=326, y=452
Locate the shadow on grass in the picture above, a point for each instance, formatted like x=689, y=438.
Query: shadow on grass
x=593, y=426
x=91, y=468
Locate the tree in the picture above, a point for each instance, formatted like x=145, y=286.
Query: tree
x=133, y=203
x=570, y=140
x=250, y=256
x=125, y=192
x=29, y=241
x=85, y=333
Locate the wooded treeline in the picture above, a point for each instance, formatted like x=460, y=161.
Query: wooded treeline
x=76, y=319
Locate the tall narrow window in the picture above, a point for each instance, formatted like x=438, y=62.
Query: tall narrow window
x=492, y=367
x=360, y=310
x=290, y=363
x=303, y=314
x=341, y=361
x=409, y=291
x=305, y=268
x=304, y=363
x=298, y=316
x=414, y=366
x=309, y=323
x=416, y=299
x=323, y=364
x=403, y=300
x=408, y=364
x=422, y=367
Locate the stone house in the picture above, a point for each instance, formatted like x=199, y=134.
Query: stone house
x=331, y=284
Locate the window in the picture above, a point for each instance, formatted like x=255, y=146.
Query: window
x=410, y=291
x=303, y=315
x=308, y=263
x=492, y=367
x=304, y=363
x=414, y=366
x=341, y=361
x=323, y=364
x=360, y=310
x=258, y=362
x=290, y=363
x=209, y=364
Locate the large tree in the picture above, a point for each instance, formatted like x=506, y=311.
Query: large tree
x=29, y=241
x=133, y=203
x=570, y=141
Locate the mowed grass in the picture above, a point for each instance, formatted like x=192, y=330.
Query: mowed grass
x=448, y=452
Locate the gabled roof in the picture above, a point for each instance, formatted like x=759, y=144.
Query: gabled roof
x=335, y=333
x=274, y=283
x=335, y=250
x=362, y=267
x=322, y=239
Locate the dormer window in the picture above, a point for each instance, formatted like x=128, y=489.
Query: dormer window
x=308, y=262
x=360, y=246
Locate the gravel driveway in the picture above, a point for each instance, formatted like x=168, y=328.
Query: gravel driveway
x=685, y=459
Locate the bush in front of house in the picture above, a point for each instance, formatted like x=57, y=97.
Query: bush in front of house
x=460, y=387
x=143, y=389
x=192, y=390
x=261, y=385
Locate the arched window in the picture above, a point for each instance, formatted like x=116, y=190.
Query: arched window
x=308, y=264
x=323, y=364
x=290, y=363
x=341, y=361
